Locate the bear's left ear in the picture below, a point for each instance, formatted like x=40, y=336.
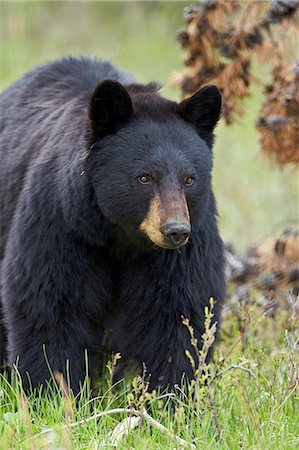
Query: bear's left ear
x=110, y=107
x=202, y=110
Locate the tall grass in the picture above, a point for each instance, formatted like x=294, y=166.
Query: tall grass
x=249, y=400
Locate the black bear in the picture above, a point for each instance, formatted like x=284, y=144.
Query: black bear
x=108, y=222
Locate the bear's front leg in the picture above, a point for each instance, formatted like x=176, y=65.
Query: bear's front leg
x=157, y=291
x=158, y=341
x=40, y=352
x=55, y=292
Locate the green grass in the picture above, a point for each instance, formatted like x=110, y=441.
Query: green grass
x=252, y=403
x=249, y=410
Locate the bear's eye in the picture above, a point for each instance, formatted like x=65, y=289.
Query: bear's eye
x=144, y=179
x=188, y=181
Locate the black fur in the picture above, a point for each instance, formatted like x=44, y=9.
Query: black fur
x=74, y=261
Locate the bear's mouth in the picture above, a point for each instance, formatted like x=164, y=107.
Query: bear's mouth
x=167, y=223
x=157, y=241
x=170, y=246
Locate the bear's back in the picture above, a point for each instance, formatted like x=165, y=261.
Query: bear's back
x=60, y=81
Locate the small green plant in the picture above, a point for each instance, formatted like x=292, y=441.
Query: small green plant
x=201, y=372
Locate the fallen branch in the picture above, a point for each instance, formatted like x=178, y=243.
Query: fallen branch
x=160, y=427
x=123, y=429
x=132, y=412
x=88, y=419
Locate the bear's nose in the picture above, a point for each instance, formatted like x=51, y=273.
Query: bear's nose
x=176, y=233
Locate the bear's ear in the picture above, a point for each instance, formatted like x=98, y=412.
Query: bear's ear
x=202, y=110
x=110, y=107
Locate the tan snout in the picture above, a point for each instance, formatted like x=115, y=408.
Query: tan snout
x=167, y=223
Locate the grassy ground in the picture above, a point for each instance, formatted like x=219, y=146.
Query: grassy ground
x=254, y=402
x=250, y=399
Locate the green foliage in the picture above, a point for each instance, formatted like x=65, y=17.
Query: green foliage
x=249, y=399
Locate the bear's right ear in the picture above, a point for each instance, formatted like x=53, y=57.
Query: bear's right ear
x=110, y=107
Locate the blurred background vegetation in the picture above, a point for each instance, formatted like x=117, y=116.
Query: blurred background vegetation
x=254, y=199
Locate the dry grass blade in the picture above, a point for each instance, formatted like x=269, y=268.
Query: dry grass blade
x=27, y=421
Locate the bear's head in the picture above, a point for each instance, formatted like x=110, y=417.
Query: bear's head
x=150, y=160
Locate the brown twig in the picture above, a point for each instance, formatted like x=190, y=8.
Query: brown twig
x=235, y=366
